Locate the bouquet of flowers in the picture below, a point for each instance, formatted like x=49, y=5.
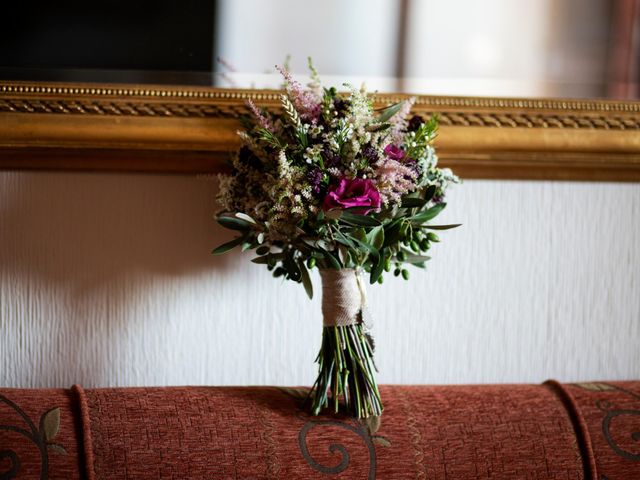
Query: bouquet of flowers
x=332, y=183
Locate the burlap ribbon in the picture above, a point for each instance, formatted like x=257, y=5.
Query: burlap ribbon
x=343, y=297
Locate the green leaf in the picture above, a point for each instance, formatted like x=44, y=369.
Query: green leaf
x=389, y=112
x=392, y=232
x=415, y=259
x=292, y=268
x=225, y=247
x=359, y=220
x=429, y=192
x=333, y=261
x=245, y=217
x=261, y=260
x=343, y=255
x=306, y=280
x=366, y=248
x=377, y=127
x=376, y=237
x=428, y=214
x=360, y=234
x=50, y=424
x=412, y=202
x=377, y=270
x=269, y=259
x=233, y=223
x=341, y=238
x=442, y=227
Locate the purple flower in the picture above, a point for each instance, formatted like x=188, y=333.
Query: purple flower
x=358, y=192
x=341, y=106
x=245, y=155
x=330, y=159
x=306, y=102
x=414, y=123
x=315, y=178
x=394, y=152
x=261, y=119
x=370, y=154
x=412, y=164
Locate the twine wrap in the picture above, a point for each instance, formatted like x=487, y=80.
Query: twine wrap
x=343, y=297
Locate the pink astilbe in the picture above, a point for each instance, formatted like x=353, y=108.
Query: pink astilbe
x=394, y=180
x=307, y=102
x=262, y=120
x=399, y=121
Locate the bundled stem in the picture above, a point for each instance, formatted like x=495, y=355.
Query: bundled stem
x=346, y=370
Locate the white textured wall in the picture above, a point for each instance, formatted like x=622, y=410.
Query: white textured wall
x=107, y=280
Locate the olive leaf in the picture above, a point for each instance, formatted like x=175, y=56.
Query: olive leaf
x=245, y=217
x=333, y=261
x=443, y=227
x=292, y=268
x=359, y=220
x=389, y=112
x=430, y=213
x=341, y=238
x=306, y=280
x=50, y=424
x=429, y=192
x=364, y=247
x=377, y=127
x=225, y=247
x=376, y=237
x=416, y=259
x=264, y=260
x=233, y=223
x=343, y=255
x=378, y=267
x=412, y=202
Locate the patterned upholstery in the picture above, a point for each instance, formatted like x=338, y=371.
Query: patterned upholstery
x=550, y=431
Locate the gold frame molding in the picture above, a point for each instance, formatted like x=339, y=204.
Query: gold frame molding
x=94, y=127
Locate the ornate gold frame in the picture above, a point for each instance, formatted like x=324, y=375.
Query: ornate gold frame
x=57, y=126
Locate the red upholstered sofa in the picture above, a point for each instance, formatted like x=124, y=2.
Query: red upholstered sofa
x=549, y=431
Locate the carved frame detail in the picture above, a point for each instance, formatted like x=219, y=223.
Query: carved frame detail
x=98, y=127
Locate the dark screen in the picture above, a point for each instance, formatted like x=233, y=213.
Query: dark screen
x=137, y=36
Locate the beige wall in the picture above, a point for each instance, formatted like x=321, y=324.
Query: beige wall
x=107, y=280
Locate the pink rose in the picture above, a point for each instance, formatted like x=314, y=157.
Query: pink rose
x=358, y=192
x=394, y=152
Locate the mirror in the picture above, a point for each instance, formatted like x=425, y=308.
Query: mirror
x=499, y=48
x=540, y=89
